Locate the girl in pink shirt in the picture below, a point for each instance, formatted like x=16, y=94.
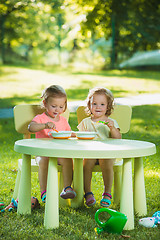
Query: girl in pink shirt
x=55, y=103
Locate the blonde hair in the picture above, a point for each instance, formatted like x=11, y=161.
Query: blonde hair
x=107, y=93
x=54, y=91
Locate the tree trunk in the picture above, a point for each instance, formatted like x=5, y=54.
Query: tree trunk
x=113, y=51
x=2, y=30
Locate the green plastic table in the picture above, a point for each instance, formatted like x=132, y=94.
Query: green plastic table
x=79, y=149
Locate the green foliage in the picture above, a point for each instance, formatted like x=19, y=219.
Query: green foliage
x=131, y=19
x=28, y=25
x=33, y=29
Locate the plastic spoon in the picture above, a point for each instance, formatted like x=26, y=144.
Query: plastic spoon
x=103, y=122
x=55, y=130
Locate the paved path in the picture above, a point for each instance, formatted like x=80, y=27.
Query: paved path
x=142, y=99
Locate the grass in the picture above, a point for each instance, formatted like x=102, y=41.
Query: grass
x=24, y=85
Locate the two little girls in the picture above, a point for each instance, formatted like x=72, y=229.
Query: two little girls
x=99, y=106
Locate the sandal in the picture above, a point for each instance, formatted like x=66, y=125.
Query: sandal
x=2, y=207
x=14, y=204
x=43, y=196
x=90, y=201
x=69, y=194
x=34, y=202
x=106, y=202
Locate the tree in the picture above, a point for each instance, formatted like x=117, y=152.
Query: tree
x=28, y=23
x=133, y=25
x=7, y=26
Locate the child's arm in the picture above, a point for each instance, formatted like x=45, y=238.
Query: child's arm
x=115, y=133
x=36, y=127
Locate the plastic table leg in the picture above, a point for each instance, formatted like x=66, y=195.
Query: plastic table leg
x=24, y=203
x=51, y=218
x=139, y=188
x=126, y=203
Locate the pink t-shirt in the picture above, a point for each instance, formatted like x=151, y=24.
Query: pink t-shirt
x=61, y=125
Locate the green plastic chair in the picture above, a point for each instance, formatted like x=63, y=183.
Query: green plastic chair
x=23, y=115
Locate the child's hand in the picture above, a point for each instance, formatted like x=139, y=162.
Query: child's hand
x=110, y=123
x=115, y=132
x=50, y=125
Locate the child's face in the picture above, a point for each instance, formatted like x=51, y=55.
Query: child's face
x=55, y=106
x=98, y=105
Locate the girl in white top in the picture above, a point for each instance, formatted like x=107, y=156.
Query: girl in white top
x=100, y=102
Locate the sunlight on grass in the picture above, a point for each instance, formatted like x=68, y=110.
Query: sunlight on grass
x=132, y=86
x=17, y=81
x=152, y=182
x=138, y=121
x=154, y=174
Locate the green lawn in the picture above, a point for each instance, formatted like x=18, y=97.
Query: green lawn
x=24, y=85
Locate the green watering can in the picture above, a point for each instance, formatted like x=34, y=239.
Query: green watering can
x=114, y=224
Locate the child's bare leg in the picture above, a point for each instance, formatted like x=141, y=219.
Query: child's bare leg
x=43, y=172
x=67, y=170
x=88, y=165
x=107, y=173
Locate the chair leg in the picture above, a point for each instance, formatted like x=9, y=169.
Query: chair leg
x=117, y=183
x=16, y=188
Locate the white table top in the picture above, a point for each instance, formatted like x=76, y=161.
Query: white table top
x=74, y=148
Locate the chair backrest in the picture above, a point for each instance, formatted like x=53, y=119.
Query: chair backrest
x=122, y=114
x=23, y=115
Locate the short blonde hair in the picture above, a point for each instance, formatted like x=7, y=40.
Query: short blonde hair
x=54, y=91
x=107, y=93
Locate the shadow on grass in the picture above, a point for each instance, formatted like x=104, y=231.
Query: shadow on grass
x=154, y=75
x=15, y=100
x=51, y=69
x=145, y=127
x=4, y=72
x=72, y=95
x=134, y=73
x=145, y=123
x=74, y=224
x=81, y=92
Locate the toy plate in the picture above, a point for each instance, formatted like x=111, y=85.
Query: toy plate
x=86, y=135
x=61, y=134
